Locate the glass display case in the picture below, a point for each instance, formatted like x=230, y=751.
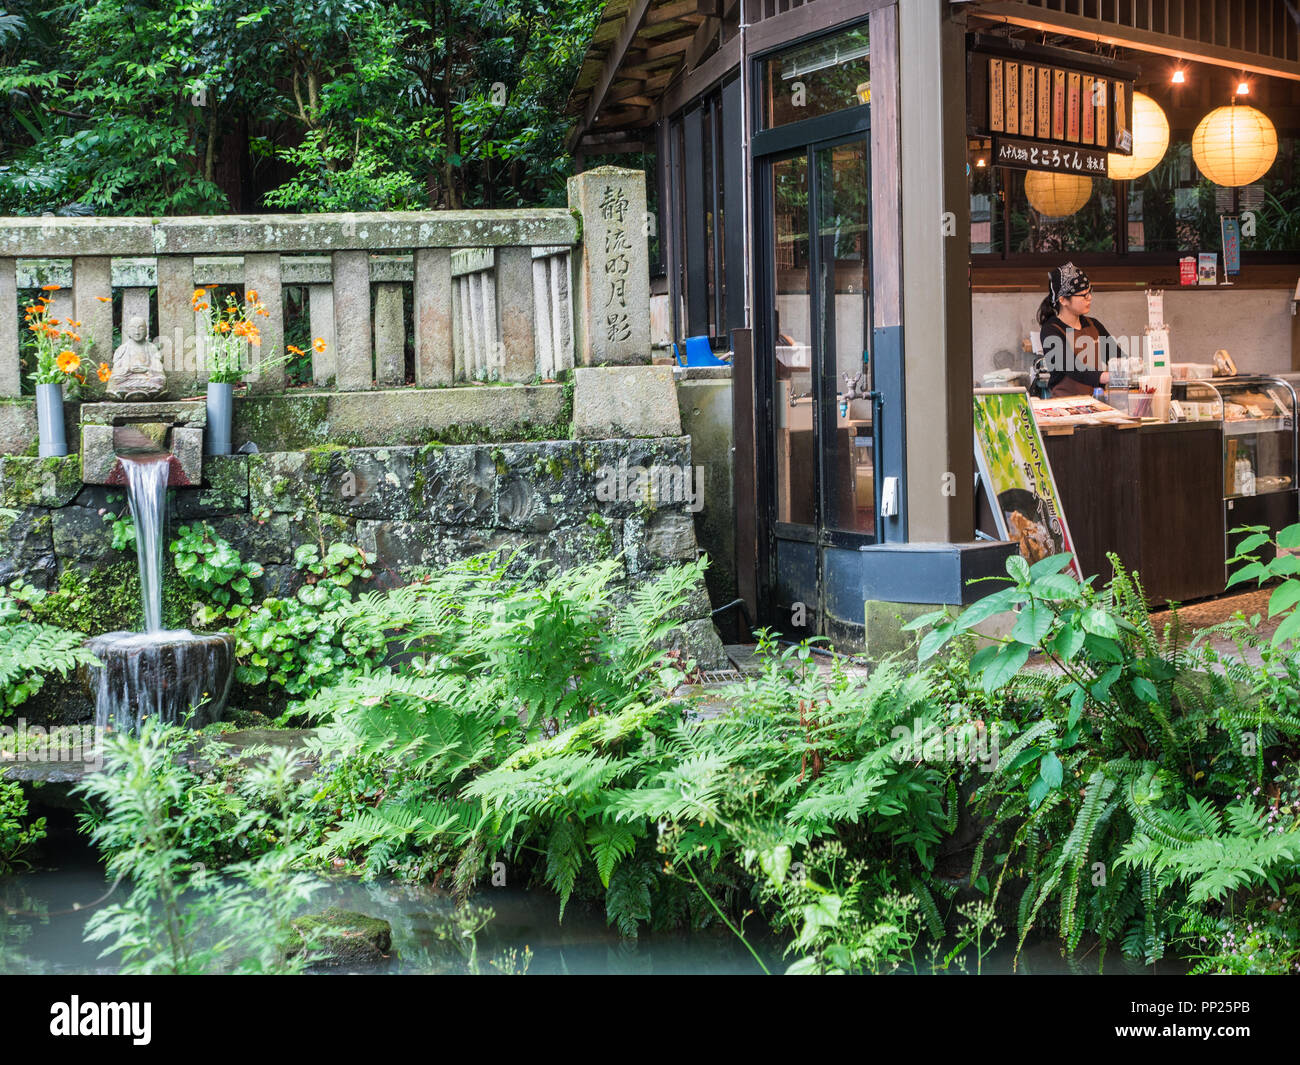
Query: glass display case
x=1259, y=444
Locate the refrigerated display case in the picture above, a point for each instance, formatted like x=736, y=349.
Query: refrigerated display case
x=1257, y=415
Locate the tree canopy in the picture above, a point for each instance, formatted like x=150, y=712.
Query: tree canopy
x=197, y=106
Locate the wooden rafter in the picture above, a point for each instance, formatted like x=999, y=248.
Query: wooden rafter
x=636, y=14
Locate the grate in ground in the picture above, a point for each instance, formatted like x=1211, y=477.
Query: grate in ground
x=720, y=676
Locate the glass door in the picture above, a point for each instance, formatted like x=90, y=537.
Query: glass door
x=816, y=321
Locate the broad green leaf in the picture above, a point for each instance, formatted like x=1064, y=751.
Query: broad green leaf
x=1284, y=597
x=1288, y=630
x=1032, y=624
x=1050, y=564
x=1050, y=770
x=1252, y=542
x=1067, y=642
x=1252, y=571
x=1289, y=537
x=1037, y=792
x=933, y=641
x=1145, y=690
x=1018, y=568
x=1056, y=586
x=983, y=609
x=1100, y=623
x=1005, y=665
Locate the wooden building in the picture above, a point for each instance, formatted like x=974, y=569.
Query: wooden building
x=821, y=198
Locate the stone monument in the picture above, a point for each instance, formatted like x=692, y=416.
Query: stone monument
x=137, y=365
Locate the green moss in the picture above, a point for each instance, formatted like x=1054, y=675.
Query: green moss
x=499, y=461
x=107, y=599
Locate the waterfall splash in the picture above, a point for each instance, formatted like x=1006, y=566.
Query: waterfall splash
x=177, y=676
x=146, y=481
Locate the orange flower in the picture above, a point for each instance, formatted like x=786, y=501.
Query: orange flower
x=198, y=294
x=76, y=337
x=223, y=327
x=295, y=351
x=319, y=344
x=68, y=361
x=105, y=371
x=51, y=288
x=251, y=297
x=263, y=312
x=53, y=321
x=104, y=299
x=201, y=306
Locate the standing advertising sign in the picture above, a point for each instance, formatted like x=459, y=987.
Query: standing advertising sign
x=1017, y=477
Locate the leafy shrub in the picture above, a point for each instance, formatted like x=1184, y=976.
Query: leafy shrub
x=17, y=833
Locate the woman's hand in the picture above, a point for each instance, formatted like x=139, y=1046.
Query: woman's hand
x=1105, y=377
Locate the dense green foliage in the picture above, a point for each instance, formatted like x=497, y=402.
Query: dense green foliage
x=142, y=107
x=31, y=651
x=1081, y=776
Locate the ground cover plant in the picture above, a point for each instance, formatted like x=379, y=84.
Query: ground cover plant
x=1082, y=777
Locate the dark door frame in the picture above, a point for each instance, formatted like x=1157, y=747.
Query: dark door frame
x=768, y=146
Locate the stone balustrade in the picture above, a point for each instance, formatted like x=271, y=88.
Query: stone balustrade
x=509, y=295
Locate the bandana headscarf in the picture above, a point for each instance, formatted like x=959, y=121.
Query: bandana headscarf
x=1066, y=281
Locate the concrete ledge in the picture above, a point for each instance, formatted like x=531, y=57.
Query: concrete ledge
x=393, y=417
x=63, y=237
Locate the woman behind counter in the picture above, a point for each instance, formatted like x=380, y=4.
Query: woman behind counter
x=1062, y=319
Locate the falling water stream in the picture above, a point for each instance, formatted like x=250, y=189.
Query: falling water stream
x=173, y=675
x=146, y=481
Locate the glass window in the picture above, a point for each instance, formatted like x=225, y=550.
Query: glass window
x=817, y=78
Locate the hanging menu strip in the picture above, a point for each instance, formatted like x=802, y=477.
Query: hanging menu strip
x=1072, y=120
x=1013, y=98
x=1044, y=103
x=1058, y=105
x=1086, y=134
x=1027, y=100
x=1123, y=137
x=1099, y=96
x=995, y=95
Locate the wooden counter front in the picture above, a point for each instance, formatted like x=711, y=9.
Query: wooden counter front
x=1151, y=493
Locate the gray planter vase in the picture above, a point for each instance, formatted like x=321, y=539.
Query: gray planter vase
x=49, y=417
x=221, y=408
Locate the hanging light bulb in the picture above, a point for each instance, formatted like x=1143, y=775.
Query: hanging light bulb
x=1056, y=195
x=1234, y=145
x=1179, y=77
x=1150, y=140
x=1243, y=88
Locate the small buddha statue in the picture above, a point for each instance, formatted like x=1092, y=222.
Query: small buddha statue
x=137, y=365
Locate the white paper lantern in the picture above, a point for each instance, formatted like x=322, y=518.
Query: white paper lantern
x=1056, y=195
x=1234, y=145
x=1150, y=141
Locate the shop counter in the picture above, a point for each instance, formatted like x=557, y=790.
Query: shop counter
x=1153, y=494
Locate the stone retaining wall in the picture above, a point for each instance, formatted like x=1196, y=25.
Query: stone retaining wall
x=412, y=506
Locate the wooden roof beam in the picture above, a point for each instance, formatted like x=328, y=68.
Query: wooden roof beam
x=636, y=14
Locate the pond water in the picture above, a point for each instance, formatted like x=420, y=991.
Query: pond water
x=44, y=913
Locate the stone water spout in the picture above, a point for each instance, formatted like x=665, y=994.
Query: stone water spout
x=176, y=675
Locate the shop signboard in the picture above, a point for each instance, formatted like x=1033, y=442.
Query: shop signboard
x=1017, y=476
x=1029, y=155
